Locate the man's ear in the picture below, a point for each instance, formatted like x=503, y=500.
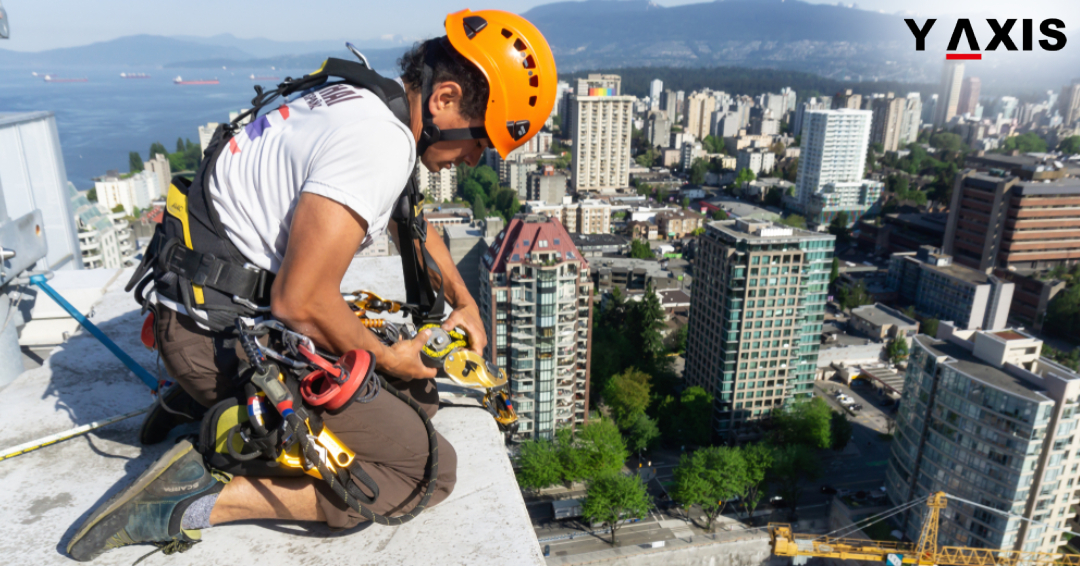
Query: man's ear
x=444, y=96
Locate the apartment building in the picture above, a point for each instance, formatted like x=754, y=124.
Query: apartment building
x=832, y=164
x=756, y=317
x=105, y=238
x=546, y=185
x=602, y=124
x=952, y=78
x=675, y=224
x=438, y=186
x=1008, y=223
x=587, y=216
x=985, y=418
x=760, y=161
x=700, y=107
x=929, y=280
x=911, y=119
x=969, y=96
x=888, y=112
x=536, y=299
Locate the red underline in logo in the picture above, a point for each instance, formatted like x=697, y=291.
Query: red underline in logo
x=963, y=56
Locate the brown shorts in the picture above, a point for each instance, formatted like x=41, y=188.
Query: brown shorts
x=388, y=437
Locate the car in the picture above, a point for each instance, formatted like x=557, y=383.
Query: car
x=828, y=490
x=845, y=400
x=856, y=407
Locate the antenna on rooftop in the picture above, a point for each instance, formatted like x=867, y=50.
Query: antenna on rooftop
x=358, y=54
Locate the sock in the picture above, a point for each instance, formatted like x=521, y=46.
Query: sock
x=197, y=515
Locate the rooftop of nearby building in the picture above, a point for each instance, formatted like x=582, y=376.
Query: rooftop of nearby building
x=455, y=231
x=881, y=315
x=670, y=298
x=51, y=490
x=964, y=360
x=1066, y=186
x=741, y=209
x=648, y=265
x=586, y=240
x=530, y=235
x=961, y=272
x=765, y=231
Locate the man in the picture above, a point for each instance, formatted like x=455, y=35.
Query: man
x=295, y=194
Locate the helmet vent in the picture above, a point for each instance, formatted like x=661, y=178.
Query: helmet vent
x=519, y=45
x=534, y=81
x=473, y=25
x=507, y=34
x=529, y=63
x=532, y=101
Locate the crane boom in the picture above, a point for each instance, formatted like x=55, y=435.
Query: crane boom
x=925, y=552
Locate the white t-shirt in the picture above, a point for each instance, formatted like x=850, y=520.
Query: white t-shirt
x=338, y=142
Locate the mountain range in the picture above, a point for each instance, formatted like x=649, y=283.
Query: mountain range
x=834, y=41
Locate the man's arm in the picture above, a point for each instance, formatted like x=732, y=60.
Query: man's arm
x=306, y=295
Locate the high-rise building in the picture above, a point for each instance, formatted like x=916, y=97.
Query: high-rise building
x=699, y=112
x=846, y=99
x=536, y=300
x=760, y=161
x=831, y=165
x=439, y=186
x=561, y=89
x=911, y=119
x=1069, y=103
x=670, y=106
x=935, y=286
x=547, y=186
x=930, y=109
x=725, y=125
x=969, y=96
x=602, y=128
x=158, y=164
x=888, y=114
x=1006, y=107
x=467, y=244
x=105, y=239
x=986, y=419
x=655, y=88
x=658, y=129
x=952, y=77
x=33, y=177
x=1012, y=224
x=755, y=318
x=813, y=103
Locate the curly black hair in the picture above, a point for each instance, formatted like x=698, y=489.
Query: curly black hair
x=449, y=66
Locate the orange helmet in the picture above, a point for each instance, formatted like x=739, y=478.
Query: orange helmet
x=519, y=67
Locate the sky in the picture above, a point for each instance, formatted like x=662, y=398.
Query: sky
x=46, y=24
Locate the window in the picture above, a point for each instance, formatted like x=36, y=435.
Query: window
x=541, y=243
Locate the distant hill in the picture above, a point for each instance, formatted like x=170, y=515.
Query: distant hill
x=381, y=60
x=261, y=48
x=141, y=50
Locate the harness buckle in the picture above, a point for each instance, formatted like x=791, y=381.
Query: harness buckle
x=202, y=273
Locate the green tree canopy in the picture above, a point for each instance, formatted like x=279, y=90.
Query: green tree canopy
x=135, y=163
x=91, y=195
x=711, y=478
x=180, y=147
x=1025, y=143
x=744, y=176
x=1063, y=314
x=640, y=249
x=839, y=226
x=1070, y=145
x=478, y=208
x=156, y=148
x=720, y=214
x=713, y=144
x=758, y=460
x=794, y=466
x=539, y=465
x=118, y=208
x=695, y=416
x=897, y=350
x=794, y=220
x=853, y=296
x=642, y=433
x=471, y=189
x=929, y=326
x=947, y=141
x=803, y=423
x=613, y=497
x=698, y=169
x=840, y=431
x=595, y=449
x=647, y=318
x=834, y=271
x=627, y=395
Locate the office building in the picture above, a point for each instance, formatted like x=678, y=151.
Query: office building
x=888, y=112
x=33, y=177
x=1069, y=103
x=930, y=109
x=880, y=323
x=536, y=299
x=985, y=418
x=547, y=185
x=952, y=77
x=935, y=286
x=699, y=112
x=1013, y=224
x=969, y=96
x=756, y=317
x=602, y=126
x=655, y=88
x=631, y=276
x=105, y=239
x=561, y=90
x=440, y=186
x=910, y=119
x=1031, y=296
x=831, y=166
x=760, y=161
x=658, y=129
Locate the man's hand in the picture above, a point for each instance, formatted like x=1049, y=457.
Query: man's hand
x=404, y=359
x=468, y=319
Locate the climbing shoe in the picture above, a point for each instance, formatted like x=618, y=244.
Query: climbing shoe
x=174, y=407
x=150, y=510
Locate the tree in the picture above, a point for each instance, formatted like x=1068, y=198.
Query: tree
x=698, y=169
x=720, y=214
x=745, y=176
x=1024, y=143
x=598, y=449
x=479, y=210
x=839, y=226
x=471, y=189
x=612, y=498
x=758, y=459
x=538, y=465
x=695, y=416
x=710, y=477
x=698, y=231
x=897, y=350
x=794, y=220
x=713, y=144
x=91, y=195
x=794, y=466
x=118, y=208
x=680, y=338
x=853, y=296
x=640, y=250
x=642, y=433
x=803, y=423
x=571, y=457
x=1063, y=313
x=778, y=148
x=791, y=171
x=929, y=326
x=840, y=430
x=627, y=395
x=135, y=163
x=834, y=271
x=948, y=142
x=646, y=318
x=180, y=147
x=157, y=149
x=1070, y=145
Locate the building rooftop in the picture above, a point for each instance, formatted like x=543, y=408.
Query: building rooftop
x=1066, y=186
x=51, y=490
x=586, y=240
x=880, y=315
x=742, y=209
x=463, y=231
x=961, y=272
x=765, y=231
x=966, y=362
x=523, y=237
x=648, y=265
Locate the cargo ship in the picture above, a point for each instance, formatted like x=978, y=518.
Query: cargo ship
x=134, y=76
x=55, y=79
x=181, y=81
x=254, y=78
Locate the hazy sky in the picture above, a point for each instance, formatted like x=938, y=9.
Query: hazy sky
x=46, y=24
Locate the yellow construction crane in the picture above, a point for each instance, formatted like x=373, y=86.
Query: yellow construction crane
x=924, y=552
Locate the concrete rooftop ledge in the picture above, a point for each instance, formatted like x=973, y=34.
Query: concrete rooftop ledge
x=48, y=492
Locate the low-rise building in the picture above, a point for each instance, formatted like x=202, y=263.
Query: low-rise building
x=443, y=219
x=630, y=275
x=929, y=280
x=594, y=245
x=678, y=223
x=547, y=185
x=879, y=322
x=760, y=161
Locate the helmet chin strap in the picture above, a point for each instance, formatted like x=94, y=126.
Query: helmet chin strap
x=430, y=134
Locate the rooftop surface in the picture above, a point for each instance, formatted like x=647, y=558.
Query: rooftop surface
x=961, y=272
x=881, y=315
x=742, y=209
x=728, y=228
x=648, y=265
x=966, y=362
x=50, y=491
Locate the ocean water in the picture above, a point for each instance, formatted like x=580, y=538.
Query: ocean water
x=101, y=120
